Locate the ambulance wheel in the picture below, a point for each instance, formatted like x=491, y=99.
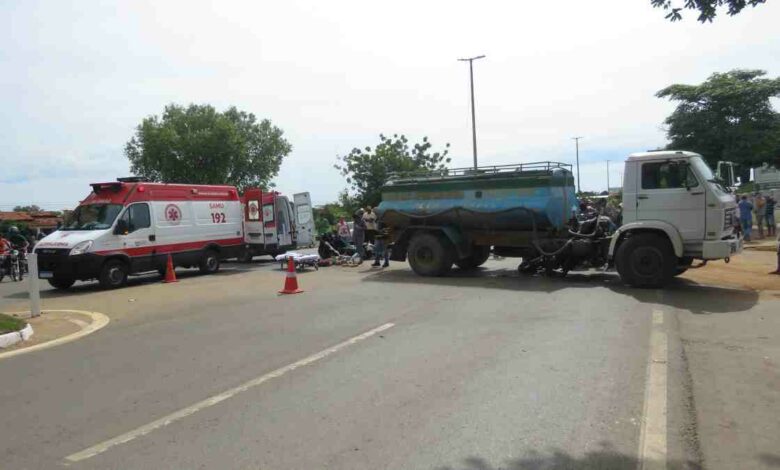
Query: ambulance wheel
x=61, y=283
x=245, y=257
x=113, y=274
x=209, y=263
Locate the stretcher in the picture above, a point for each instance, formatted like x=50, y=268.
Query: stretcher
x=301, y=260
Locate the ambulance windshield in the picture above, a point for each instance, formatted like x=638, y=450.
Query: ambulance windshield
x=93, y=217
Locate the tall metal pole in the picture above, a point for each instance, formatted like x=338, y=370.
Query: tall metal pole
x=473, y=113
x=577, y=146
x=607, y=177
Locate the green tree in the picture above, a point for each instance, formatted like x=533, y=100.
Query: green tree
x=707, y=9
x=327, y=215
x=32, y=208
x=367, y=170
x=728, y=117
x=200, y=145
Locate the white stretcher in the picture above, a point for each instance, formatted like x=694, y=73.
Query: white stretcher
x=301, y=260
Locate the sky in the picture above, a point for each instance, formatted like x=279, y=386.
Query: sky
x=77, y=77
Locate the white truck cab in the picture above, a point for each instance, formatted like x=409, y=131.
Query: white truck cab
x=675, y=195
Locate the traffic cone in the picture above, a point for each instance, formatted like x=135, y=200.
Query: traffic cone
x=291, y=281
x=170, y=273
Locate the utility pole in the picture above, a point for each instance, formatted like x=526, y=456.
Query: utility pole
x=577, y=146
x=471, y=60
x=607, y=177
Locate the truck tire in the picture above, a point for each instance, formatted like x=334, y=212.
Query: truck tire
x=113, y=274
x=646, y=260
x=479, y=255
x=429, y=255
x=682, y=265
x=61, y=283
x=209, y=262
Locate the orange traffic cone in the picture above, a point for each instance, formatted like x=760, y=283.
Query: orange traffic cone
x=170, y=273
x=291, y=281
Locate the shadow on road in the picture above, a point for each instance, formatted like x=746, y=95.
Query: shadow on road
x=603, y=459
x=770, y=459
x=134, y=281
x=680, y=293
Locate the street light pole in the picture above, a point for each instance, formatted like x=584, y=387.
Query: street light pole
x=471, y=60
x=577, y=146
x=607, y=177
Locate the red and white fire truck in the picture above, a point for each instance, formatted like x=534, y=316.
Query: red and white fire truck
x=131, y=226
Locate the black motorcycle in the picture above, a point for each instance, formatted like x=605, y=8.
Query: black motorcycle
x=11, y=265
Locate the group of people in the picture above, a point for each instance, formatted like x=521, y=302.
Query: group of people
x=13, y=240
x=759, y=209
x=366, y=229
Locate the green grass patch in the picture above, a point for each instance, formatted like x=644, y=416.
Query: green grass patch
x=9, y=323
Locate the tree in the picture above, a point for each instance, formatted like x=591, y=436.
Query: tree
x=367, y=170
x=29, y=209
x=728, y=117
x=199, y=145
x=707, y=8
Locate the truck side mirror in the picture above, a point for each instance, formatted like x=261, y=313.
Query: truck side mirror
x=121, y=228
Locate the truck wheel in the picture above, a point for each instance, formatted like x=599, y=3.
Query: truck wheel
x=429, y=255
x=479, y=255
x=646, y=260
x=113, y=274
x=209, y=263
x=61, y=283
x=682, y=265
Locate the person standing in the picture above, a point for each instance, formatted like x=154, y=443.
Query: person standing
x=777, y=271
x=746, y=217
x=359, y=233
x=759, y=208
x=343, y=230
x=771, y=226
x=371, y=228
x=380, y=247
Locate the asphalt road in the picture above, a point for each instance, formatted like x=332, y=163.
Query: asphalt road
x=476, y=371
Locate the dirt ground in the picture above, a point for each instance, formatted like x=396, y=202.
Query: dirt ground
x=749, y=270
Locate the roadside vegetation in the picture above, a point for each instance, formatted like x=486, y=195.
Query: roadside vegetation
x=9, y=324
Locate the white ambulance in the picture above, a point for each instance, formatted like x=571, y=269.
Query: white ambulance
x=131, y=226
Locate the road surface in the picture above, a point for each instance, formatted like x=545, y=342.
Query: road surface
x=367, y=369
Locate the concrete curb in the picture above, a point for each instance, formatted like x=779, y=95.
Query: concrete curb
x=99, y=320
x=9, y=339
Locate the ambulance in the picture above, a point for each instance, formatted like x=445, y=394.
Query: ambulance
x=274, y=224
x=131, y=226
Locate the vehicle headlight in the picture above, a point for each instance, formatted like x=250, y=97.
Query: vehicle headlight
x=81, y=248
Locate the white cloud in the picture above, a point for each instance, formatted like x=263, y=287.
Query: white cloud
x=75, y=81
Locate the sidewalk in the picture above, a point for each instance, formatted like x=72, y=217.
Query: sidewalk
x=50, y=326
x=734, y=364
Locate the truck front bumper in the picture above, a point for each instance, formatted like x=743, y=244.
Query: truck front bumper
x=720, y=249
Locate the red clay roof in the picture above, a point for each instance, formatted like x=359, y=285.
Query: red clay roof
x=15, y=217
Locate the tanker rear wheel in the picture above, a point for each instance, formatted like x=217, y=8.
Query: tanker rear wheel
x=479, y=255
x=429, y=255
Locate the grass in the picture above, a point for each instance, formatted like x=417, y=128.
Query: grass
x=9, y=324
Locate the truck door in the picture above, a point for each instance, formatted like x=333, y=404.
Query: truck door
x=304, y=218
x=139, y=242
x=284, y=228
x=669, y=191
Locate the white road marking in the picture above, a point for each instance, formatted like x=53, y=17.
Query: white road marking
x=652, y=440
x=211, y=401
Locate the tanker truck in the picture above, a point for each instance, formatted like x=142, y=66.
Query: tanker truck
x=674, y=212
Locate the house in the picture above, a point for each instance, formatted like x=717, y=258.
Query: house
x=40, y=223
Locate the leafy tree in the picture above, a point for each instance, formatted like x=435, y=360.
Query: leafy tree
x=199, y=145
x=707, y=8
x=327, y=215
x=728, y=117
x=32, y=208
x=367, y=170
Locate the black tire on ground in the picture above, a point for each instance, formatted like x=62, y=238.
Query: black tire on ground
x=479, y=255
x=61, y=283
x=682, y=265
x=113, y=274
x=245, y=257
x=430, y=255
x=16, y=273
x=209, y=262
x=646, y=260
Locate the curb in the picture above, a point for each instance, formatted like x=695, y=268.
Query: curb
x=9, y=339
x=99, y=320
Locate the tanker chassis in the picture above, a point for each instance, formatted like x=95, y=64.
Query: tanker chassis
x=674, y=212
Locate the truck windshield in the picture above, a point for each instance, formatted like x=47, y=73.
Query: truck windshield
x=93, y=217
x=705, y=172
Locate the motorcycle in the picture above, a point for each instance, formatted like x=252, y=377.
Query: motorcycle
x=333, y=246
x=10, y=265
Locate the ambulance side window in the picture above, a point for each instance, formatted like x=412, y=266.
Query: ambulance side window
x=138, y=217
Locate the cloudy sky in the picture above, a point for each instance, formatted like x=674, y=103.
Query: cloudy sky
x=77, y=77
